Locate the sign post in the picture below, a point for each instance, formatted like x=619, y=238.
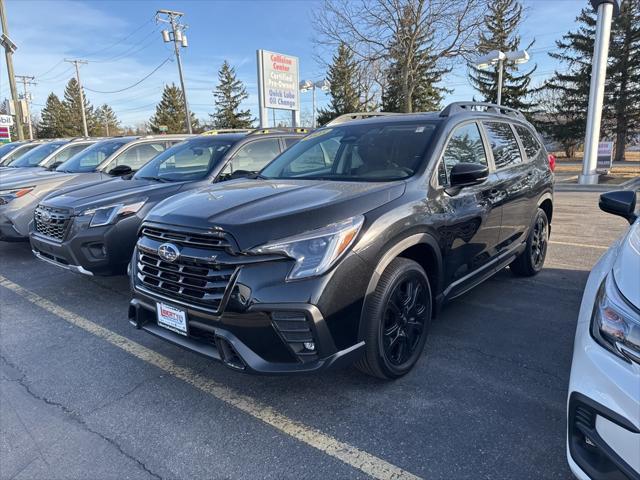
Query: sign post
x=278, y=78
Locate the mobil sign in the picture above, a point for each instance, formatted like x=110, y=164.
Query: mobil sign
x=278, y=80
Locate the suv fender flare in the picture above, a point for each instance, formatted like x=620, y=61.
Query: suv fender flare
x=545, y=196
x=393, y=252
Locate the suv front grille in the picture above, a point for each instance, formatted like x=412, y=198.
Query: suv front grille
x=195, y=279
x=51, y=222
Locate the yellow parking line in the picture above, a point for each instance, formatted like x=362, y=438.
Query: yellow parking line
x=352, y=456
x=583, y=245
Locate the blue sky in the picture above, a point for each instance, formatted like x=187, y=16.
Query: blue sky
x=47, y=31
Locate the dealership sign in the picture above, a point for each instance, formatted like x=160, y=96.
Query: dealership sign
x=605, y=157
x=278, y=80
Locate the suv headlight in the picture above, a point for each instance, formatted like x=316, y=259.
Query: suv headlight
x=317, y=251
x=7, y=196
x=615, y=324
x=101, y=216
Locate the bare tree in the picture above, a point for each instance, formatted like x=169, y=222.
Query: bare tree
x=403, y=32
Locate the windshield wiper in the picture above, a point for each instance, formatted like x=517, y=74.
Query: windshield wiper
x=156, y=179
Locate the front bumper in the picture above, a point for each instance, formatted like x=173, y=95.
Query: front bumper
x=264, y=324
x=102, y=250
x=603, y=421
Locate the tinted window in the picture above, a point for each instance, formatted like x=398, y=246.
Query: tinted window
x=253, y=156
x=503, y=144
x=290, y=141
x=136, y=156
x=365, y=151
x=88, y=159
x=465, y=146
x=37, y=155
x=66, y=153
x=190, y=160
x=8, y=147
x=530, y=143
x=17, y=153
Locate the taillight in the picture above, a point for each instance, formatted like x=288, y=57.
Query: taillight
x=552, y=162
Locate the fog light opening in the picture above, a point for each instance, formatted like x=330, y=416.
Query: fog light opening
x=310, y=346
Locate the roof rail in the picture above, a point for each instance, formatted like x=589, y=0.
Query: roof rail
x=457, y=107
x=264, y=131
x=218, y=131
x=348, y=117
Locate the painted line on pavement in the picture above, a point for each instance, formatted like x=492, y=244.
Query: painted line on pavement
x=583, y=245
x=352, y=456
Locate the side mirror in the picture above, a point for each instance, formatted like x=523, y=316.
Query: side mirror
x=120, y=170
x=54, y=165
x=467, y=174
x=621, y=202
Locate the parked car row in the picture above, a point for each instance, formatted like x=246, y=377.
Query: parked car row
x=277, y=252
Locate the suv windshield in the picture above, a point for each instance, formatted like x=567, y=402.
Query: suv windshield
x=190, y=160
x=37, y=155
x=89, y=158
x=362, y=152
x=9, y=147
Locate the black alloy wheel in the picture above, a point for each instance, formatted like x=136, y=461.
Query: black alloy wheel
x=397, y=320
x=531, y=260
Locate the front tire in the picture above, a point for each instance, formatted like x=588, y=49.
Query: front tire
x=397, y=320
x=531, y=260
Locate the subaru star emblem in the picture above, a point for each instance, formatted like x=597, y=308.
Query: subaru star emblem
x=168, y=252
x=45, y=216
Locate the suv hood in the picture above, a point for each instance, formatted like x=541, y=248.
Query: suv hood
x=258, y=211
x=627, y=265
x=110, y=192
x=40, y=177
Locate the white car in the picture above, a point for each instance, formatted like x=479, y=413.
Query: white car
x=603, y=406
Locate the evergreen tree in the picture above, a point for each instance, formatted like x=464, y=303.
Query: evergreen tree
x=229, y=94
x=413, y=72
x=567, y=117
x=500, y=33
x=170, y=113
x=108, y=123
x=53, y=121
x=624, y=76
x=344, y=89
x=73, y=111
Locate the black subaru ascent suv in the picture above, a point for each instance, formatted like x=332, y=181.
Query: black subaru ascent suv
x=343, y=248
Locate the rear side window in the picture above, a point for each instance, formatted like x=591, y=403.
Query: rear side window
x=531, y=145
x=465, y=146
x=67, y=153
x=138, y=155
x=253, y=156
x=289, y=141
x=503, y=144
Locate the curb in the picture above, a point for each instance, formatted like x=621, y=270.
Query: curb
x=632, y=184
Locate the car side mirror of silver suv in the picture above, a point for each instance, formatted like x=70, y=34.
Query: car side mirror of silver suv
x=621, y=202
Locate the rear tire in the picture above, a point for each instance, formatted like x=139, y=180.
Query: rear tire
x=531, y=260
x=397, y=319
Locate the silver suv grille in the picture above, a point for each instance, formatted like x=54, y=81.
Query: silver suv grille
x=194, y=278
x=51, y=222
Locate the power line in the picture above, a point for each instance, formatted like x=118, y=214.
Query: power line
x=118, y=42
x=135, y=84
x=131, y=50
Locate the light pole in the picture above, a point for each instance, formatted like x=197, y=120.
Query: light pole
x=605, y=9
x=179, y=39
x=306, y=85
x=496, y=57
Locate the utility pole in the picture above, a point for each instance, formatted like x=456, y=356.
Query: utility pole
x=26, y=95
x=606, y=9
x=84, y=114
x=9, y=48
x=179, y=39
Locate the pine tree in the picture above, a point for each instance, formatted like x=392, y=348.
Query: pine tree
x=567, y=118
x=344, y=88
x=54, y=121
x=170, y=113
x=108, y=123
x=229, y=95
x=624, y=76
x=413, y=73
x=73, y=111
x=500, y=33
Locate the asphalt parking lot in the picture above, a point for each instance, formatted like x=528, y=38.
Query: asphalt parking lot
x=85, y=396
